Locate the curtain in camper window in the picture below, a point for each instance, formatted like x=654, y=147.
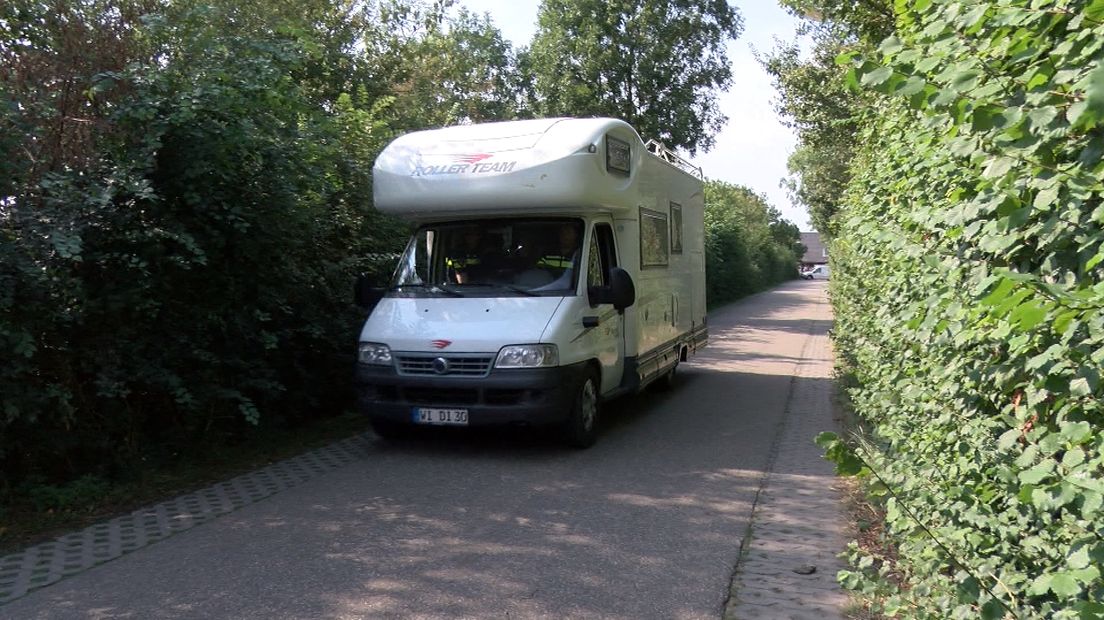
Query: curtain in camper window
x=676, y=228
x=653, y=238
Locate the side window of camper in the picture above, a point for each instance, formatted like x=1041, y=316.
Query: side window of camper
x=414, y=266
x=596, y=273
x=676, y=228
x=653, y=238
x=602, y=256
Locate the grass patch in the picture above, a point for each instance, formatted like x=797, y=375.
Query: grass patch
x=37, y=512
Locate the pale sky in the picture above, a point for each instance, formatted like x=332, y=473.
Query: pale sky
x=753, y=147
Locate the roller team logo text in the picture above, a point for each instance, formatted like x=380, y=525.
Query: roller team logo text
x=465, y=164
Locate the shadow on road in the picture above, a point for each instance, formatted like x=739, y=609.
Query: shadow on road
x=503, y=523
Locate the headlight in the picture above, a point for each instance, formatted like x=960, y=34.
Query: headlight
x=528, y=356
x=374, y=354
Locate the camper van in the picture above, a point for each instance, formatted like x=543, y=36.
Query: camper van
x=554, y=264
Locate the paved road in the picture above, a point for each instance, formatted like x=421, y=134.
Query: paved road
x=647, y=524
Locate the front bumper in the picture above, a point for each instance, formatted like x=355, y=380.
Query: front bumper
x=530, y=396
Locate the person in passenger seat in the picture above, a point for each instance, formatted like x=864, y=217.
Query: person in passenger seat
x=565, y=254
x=462, y=260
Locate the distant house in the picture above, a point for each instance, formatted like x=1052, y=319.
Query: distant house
x=815, y=252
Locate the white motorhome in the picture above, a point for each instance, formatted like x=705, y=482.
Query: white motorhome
x=556, y=263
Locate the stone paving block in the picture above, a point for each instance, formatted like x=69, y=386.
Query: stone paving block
x=73, y=553
x=797, y=520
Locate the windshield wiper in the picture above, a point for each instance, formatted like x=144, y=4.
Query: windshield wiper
x=433, y=288
x=509, y=287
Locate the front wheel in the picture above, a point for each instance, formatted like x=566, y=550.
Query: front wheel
x=581, y=428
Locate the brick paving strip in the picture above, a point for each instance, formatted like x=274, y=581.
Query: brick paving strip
x=50, y=562
x=798, y=523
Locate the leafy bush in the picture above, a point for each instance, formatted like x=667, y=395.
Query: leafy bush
x=970, y=307
x=748, y=246
x=84, y=491
x=186, y=266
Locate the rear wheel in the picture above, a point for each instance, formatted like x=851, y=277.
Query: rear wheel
x=581, y=428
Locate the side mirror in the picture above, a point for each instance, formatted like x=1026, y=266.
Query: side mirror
x=621, y=292
x=624, y=291
x=365, y=295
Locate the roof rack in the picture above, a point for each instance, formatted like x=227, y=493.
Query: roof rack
x=659, y=150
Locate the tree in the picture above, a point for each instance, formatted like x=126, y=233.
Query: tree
x=439, y=67
x=656, y=64
x=748, y=246
x=818, y=103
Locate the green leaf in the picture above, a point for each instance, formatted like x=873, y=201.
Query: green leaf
x=1073, y=457
x=877, y=76
x=968, y=590
x=838, y=452
x=1046, y=197
x=852, y=81
x=1028, y=315
x=1080, y=387
x=1041, y=117
x=846, y=58
x=1090, y=503
x=1095, y=10
x=1075, y=432
x=1079, y=558
x=911, y=86
x=1000, y=293
x=965, y=80
x=1009, y=438
x=1036, y=474
x=998, y=167
x=1063, y=584
x=992, y=610
x=1040, y=585
x=1092, y=112
x=1090, y=610
x=1037, y=80
x=890, y=45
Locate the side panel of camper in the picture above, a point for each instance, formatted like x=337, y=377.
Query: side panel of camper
x=667, y=323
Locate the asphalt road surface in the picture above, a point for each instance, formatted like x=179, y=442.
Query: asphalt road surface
x=646, y=524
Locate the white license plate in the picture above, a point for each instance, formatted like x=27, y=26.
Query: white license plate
x=441, y=417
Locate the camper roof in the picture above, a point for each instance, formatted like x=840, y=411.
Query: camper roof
x=494, y=168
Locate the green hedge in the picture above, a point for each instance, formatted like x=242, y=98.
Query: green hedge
x=185, y=264
x=970, y=308
x=748, y=246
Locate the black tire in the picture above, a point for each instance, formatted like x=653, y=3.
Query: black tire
x=390, y=431
x=581, y=428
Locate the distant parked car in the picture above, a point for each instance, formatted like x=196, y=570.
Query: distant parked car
x=819, y=272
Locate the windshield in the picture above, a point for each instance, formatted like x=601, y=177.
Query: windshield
x=492, y=258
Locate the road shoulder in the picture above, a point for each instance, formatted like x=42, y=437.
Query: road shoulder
x=789, y=562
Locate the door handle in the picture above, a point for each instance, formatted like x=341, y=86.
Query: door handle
x=591, y=321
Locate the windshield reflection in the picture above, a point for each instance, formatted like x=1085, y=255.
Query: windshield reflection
x=492, y=258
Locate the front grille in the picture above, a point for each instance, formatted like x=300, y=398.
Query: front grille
x=458, y=365
x=503, y=397
x=441, y=396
